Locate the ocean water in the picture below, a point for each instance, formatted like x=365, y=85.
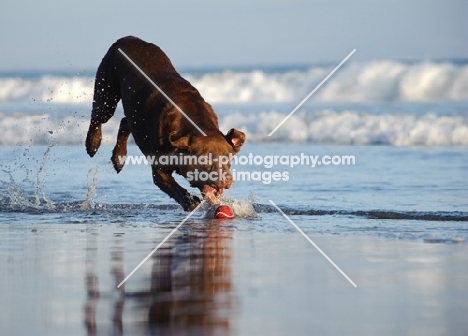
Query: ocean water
x=395, y=192
x=396, y=220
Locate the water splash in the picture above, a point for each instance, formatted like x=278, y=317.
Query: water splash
x=17, y=194
x=39, y=183
x=242, y=208
x=88, y=203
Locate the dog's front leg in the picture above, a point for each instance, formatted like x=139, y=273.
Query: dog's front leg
x=164, y=180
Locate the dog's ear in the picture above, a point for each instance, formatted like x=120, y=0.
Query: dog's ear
x=236, y=139
x=181, y=143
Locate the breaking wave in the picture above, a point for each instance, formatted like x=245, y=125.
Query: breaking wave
x=384, y=80
x=322, y=127
x=353, y=128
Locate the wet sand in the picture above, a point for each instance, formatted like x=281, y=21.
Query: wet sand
x=222, y=278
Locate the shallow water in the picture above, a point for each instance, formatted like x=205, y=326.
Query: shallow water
x=398, y=192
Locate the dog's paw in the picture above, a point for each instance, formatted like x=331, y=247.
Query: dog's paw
x=93, y=140
x=118, y=161
x=193, y=202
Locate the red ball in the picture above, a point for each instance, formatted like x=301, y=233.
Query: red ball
x=224, y=212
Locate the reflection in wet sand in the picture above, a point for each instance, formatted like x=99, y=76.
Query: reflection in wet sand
x=189, y=291
x=191, y=285
x=236, y=280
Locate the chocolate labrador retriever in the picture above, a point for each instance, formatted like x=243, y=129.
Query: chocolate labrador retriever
x=158, y=127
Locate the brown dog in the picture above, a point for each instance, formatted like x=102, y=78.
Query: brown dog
x=157, y=126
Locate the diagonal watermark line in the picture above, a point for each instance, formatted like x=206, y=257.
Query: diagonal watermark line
x=310, y=241
x=161, y=243
x=162, y=92
x=313, y=91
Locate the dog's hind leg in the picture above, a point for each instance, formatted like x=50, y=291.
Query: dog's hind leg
x=106, y=97
x=120, y=150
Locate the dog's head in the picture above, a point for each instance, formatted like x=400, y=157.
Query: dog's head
x=207, y=160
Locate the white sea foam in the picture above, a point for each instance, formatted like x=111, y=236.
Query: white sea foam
x=353, y=128
x=326, y=126
x=46, y=130
x=370, y=81
x=58, y=89
x=383, y=80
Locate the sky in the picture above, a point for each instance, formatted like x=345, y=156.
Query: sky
x=74, y=35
